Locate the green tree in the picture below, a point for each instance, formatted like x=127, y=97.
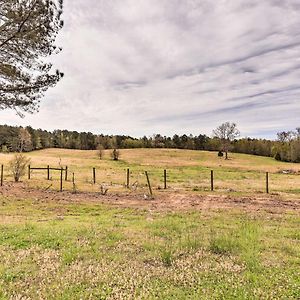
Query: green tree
x=27, y=34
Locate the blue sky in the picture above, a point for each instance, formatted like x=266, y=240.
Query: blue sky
x=173, y=66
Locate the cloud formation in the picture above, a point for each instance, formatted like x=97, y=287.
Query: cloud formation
x=173, y=66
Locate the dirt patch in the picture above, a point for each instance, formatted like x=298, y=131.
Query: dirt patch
x=163, y=201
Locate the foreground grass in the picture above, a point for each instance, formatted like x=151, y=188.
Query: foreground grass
x=51, y=250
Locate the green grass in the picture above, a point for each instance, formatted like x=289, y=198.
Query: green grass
x=62, y=250
x=55, y=250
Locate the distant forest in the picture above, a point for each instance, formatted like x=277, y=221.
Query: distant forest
x=19, y=139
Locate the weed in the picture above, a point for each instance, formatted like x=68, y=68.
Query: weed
x=224, y=244
x=167, y=256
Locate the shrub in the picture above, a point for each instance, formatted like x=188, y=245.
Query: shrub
x=115, y=154
x=18, y=166
x=277, y=156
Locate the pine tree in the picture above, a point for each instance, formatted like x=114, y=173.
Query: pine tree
x=27, y=33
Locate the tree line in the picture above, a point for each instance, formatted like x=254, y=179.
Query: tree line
x=25, y=139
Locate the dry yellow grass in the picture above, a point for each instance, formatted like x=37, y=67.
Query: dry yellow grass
x=187, y=170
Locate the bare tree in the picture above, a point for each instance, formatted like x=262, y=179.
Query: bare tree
x=18, y=166
x=100, y=151
x=25, y=142
x=226, y=133
x=285, y=136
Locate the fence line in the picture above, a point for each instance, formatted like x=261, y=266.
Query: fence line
x=48, y=169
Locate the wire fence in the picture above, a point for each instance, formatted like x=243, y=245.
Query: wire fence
x=91, y=178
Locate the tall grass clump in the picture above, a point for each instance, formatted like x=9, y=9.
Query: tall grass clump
x=224, y=244
x=243, y=241
x=249, y=240
x=167, y=255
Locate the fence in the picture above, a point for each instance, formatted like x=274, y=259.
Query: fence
x=165, y=177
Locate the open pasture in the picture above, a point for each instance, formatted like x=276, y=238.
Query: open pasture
x=187, y=171
x=186, y=243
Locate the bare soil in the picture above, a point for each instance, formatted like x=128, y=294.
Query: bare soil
x=163, y=200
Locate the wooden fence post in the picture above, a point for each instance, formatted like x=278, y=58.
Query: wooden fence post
x=128, y=177
x=1, y=175
x=28, y=171
x=73, y=183
x=48, y=172
x=61, y=179
x=267, y=182
x=165, y=179
x=149, y=185
x=94, y=175
x=66, y=174
x=212, y=180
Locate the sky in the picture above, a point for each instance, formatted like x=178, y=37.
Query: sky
x=139, y=67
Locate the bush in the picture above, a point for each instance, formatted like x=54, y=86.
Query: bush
x=115, y=154
x=18, y=166
x=277, y=156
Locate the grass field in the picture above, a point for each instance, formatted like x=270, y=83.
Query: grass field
x=65, y=250
x=87, y=246
x=187, y=170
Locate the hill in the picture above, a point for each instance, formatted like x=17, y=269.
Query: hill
x=187, y=170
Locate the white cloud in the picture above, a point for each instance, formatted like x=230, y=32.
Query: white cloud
x=173, y=66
